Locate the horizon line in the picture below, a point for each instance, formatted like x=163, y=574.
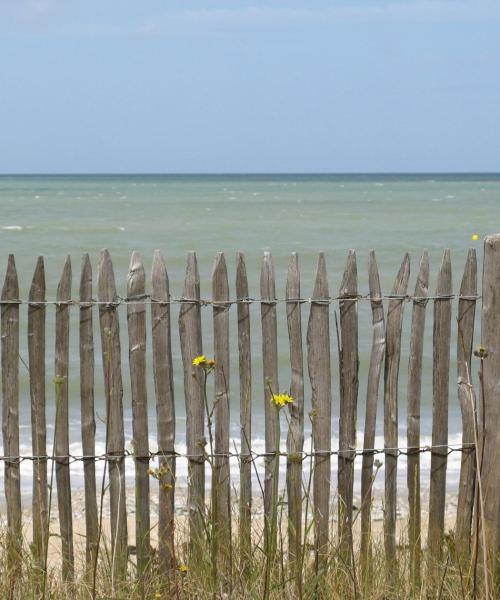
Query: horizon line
x=238, y=173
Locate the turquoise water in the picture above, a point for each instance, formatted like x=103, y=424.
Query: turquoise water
x=60, y=215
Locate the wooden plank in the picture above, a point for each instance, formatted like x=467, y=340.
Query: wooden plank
x=245, y=373
x=295, y=438
x=113, y=387
x=318, y=361
x=36, y=361
x=440, y=390
x=465, y=337
x=413, y=416
x=87, y=364
x=489, y=491
x=221, y=478
x=349, y=365
x=165, y=409
x=136, y=321
x=191, y=347
x=61, y=436
x=372, y=392
x=270, y=372
x=391, y=375
x=10, y=406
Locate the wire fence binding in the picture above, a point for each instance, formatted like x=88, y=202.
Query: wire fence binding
x=399, y=451
x=148, y=300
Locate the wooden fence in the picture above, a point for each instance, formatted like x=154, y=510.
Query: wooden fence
x=481, y=436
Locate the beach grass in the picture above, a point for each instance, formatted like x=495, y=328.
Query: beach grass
x=332, y=578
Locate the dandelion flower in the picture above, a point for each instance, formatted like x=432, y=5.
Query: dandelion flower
x=207, y=364
x=281, y=399
x=183, y=568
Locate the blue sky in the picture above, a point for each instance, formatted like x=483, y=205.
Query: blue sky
x=219, y=86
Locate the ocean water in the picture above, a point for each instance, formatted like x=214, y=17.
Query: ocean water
x=55, y=216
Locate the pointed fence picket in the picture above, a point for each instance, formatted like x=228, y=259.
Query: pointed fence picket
x=61, y=427
x=10, y=409
x=318, y=360
x=440, y=391
x=36, y=366
x=295, y=438
x=194, y=393
x=413, y=416
x=349, y=366
x=372, y=393
x=113, y=389
x=165, y=409
x=394, y=324
x=87, y=365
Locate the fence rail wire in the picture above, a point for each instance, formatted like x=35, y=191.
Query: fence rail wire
x=203, y=302
x=399, y=451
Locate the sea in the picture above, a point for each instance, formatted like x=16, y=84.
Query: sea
x=60, y=215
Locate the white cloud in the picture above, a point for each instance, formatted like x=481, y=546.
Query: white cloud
x=31, y=12
x=43, y=12
x=422, y=10
x=410, y=11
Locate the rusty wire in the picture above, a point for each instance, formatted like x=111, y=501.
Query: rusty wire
x=148, y=300
x=349, y=453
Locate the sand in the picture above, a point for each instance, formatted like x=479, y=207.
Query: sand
x=78, y=505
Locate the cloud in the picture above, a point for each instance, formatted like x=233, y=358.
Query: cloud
x=31, y=12
x=422, y=10
x=44, y=13
x=410, y=11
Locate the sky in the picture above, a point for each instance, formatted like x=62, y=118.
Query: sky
x=214, y=86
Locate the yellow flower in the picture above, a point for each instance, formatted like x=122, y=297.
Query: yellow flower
x=183, y=568
x=207, y=364
x=474, y=237
x=281, y=399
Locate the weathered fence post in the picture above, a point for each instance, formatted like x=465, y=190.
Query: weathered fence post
x=87, y=365
x=465, y=337
x=10, y=408
x=113, y=387
x=413, y=417
x=372, y=392
x=391, y=375
x=165, y=409
x=349, y=365
x=221, y=483
x=270, y=372
x=245, y=372
x=440, y=390
x=295, y=439
x=191, y=347
x=36, y=358
x=318, y=361
x=61, y=449
x=136, y=320
x=490, y=467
